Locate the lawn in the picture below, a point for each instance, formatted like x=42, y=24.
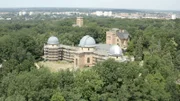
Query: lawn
x=56, y=66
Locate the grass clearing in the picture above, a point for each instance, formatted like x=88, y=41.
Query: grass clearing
x=56, y=66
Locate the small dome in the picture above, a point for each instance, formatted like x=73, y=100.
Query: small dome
x=87, y=41
x=53, y=40
x=115, y=50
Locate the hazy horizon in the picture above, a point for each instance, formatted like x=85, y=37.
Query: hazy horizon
x=114, y=4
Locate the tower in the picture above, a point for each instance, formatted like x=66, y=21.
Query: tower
x=52, y=51
x=84, y=56
x=79, y=21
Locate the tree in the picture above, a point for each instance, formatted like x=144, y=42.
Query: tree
x=15, y=98
x=155, y=88
x=89, y=84
x=37, y=85
x=138, y=51
x=177, y=60
x=9, y=66
x=57, y=97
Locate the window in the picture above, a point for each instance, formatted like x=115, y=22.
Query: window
x=76, y=62
x=96, y=60
x=88, y=49
x=109, y=37
x=88, y=60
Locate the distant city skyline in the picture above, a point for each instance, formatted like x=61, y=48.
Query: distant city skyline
x=119, y=4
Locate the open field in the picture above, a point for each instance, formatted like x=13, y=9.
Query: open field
x=56, y=66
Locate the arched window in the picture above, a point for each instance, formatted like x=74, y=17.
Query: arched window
x=88, y=60
x=76, y=62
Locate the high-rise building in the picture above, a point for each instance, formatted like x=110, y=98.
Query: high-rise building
x=106, y=13
x=99, y=13
x=173, y=17
x=22, y=13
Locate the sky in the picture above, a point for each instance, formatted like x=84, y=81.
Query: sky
x=120, y=4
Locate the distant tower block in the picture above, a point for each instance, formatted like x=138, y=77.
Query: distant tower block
x=79, y=21
x=173, y=17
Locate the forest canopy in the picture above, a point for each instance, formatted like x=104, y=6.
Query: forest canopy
x=154, y=43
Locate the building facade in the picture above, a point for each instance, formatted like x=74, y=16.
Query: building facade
x=79, y=21
x=86, y=54
x=118, y=37
x=53, y=51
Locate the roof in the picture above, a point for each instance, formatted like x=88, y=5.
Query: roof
x=123, y=35
x=53, y=40
x=115, y=29
x=102, y=49
x=87, y=41
x=106, y=50
x=115, y=50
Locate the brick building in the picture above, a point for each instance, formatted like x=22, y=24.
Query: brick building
x=118, y=37
x=88, y=53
